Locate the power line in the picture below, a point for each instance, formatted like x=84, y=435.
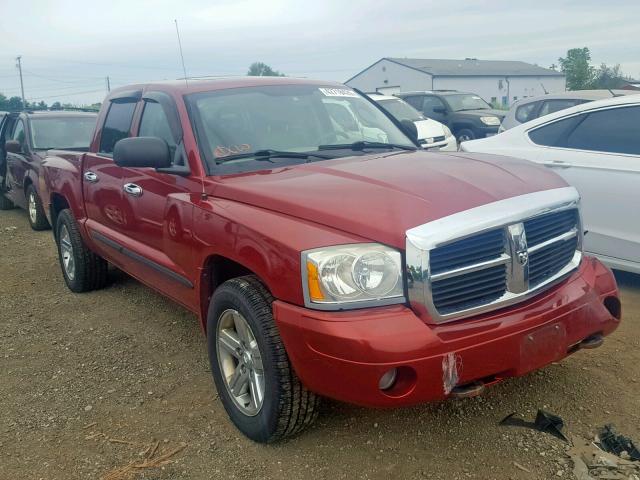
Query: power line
x=67, y=94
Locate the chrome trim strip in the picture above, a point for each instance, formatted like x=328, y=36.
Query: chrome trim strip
x=508, y=214
x=504, y=258
x=565, y=236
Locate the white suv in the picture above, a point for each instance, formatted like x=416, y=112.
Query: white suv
x=432, y=135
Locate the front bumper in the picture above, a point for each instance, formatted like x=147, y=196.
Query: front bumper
x=485, y=131
x=342, y=355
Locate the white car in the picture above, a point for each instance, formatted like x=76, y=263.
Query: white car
x=432, y=135
x=596, y=148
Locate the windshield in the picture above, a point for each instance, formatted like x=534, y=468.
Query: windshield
x=284, y=118
x=401, y=109
x=63, y=132
x=460, y=102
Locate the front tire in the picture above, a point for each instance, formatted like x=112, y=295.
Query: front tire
x=82, y=269
x=464, y=135
x=37, y=218
x=253, y=375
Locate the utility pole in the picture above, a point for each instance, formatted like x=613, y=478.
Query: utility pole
x=19, y=66
x=108, y=84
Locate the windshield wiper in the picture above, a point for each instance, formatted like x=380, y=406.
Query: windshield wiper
x=361, y=145
x=267, y=154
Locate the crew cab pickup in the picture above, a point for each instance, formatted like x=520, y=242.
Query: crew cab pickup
x=321, y=262
x=25, y=139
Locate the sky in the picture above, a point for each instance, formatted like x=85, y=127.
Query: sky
x=68, y=48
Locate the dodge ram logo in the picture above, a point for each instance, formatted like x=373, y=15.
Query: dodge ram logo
x=523, y=258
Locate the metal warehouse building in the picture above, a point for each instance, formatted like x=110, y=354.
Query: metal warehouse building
x=497, y=81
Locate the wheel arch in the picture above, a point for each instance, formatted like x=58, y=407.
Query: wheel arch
x=217, y=269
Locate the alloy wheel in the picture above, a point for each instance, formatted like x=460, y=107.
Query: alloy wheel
x=33, y=208
x=240, y=362
x=66, y=253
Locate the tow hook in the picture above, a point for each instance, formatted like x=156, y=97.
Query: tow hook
x=467, y=391
x=594, y=341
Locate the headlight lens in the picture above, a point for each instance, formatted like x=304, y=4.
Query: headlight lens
x=352, y=276
x=490, y=120
x=447, y=131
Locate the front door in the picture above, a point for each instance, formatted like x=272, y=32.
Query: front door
x=17, y=164
x=158, y=208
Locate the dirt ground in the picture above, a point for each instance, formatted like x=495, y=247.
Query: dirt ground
x=89, y=382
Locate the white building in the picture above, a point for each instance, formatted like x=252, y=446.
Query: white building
x=497, y=81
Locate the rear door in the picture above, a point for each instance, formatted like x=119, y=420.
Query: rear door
x=599, y=153
x=102, y=179
x=158, y=207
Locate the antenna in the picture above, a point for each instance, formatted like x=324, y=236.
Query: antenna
x=614, y=94
x=184, y=69
x=544, y=89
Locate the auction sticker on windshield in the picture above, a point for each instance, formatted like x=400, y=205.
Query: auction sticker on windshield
x=338, y=92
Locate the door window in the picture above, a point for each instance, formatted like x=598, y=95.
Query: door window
x=430, y=103
x=415, y=101
x=19, y=135
x=555, y=134
x=154, y=123
x=614, y=130
x=116, y=125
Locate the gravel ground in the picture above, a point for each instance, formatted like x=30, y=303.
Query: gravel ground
x=89, y=382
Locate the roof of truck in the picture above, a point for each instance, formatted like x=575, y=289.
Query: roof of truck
x=182, y=87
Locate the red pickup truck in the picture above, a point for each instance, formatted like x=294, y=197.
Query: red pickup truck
x=25, y=140
x=324, y=257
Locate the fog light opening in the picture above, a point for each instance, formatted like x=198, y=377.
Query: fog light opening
x=388, y=379
x=612, y=304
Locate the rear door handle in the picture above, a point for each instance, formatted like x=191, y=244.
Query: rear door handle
x=90, y=177
x=132, y=189
x=557, y=164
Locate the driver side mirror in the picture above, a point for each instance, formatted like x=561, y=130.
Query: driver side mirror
x=410, y=129
x=441, y=110
x=140, y=152
x=12, y=146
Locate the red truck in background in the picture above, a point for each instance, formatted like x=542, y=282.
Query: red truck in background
x=27, y=138
x=325, y=261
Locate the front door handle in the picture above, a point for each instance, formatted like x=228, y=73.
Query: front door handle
x=556, y=164
x=133, y=189
x=90, y=177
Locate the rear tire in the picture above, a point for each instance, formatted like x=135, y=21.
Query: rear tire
x=82, y=269
x=5, y=203
x=37, y=218
x=286, y=406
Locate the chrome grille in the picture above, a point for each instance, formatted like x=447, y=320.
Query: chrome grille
x=519, y=246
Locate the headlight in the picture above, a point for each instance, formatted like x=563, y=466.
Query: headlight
x=490, y=120
x=352, y=276
x=447, y=132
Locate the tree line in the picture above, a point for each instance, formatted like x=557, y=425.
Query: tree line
x=581, y=75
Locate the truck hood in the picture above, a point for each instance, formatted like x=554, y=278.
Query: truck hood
x=378, y=197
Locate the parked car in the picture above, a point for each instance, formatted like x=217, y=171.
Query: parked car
x=466, y=114
x=26, y=138
x=371, y=272
x=596, y=148
x=528, y=109
x=432, y=135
